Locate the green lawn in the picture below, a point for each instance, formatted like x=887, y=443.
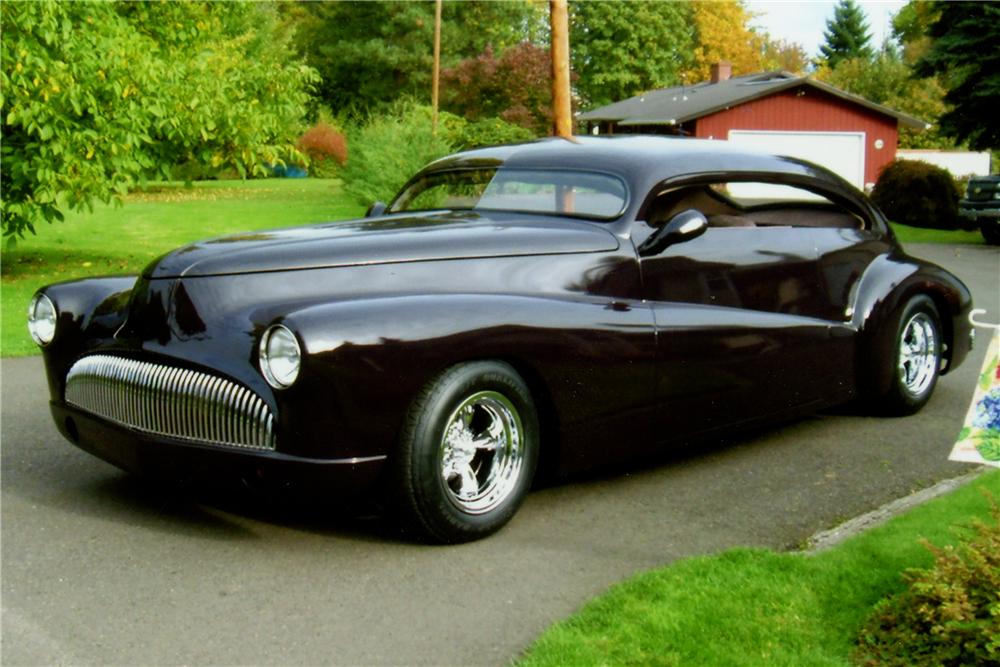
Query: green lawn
x=123, y=239
x=919, y=235
x=758, y=607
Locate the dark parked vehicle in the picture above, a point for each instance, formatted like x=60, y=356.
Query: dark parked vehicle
x=982, y=205
x=571, y=302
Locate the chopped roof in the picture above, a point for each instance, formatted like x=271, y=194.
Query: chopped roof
x=646, y=162
x=672, y=106
x=641, y=160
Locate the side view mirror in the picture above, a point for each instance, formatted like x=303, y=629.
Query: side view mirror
x=684, y=226
x=376, y=209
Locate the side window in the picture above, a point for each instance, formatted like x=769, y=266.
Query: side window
x=733, y=204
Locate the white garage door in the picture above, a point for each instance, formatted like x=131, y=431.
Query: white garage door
x=841, y=152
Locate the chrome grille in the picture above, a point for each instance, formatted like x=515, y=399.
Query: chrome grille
x=175, y=402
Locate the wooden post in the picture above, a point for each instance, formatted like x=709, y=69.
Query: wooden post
x=437, y=66
x=562, y=119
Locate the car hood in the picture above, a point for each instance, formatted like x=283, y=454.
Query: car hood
x=394, y=238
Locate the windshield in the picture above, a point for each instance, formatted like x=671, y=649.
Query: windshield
x=577, y=193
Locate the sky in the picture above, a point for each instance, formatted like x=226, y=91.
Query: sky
x=804, y=21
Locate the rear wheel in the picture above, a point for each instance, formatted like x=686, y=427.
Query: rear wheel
x=991, y=231
x=917, y=358
x=467, y=453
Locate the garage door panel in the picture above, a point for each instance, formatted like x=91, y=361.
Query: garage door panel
x=841, y=152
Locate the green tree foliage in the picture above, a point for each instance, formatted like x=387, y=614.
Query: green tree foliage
x=846, y=35
x=779, y=54
x=620, y=49
x=488, y=132
x=97, y=96
x=371, y=54
x=964, y=53
x=910, y=26
x=515, y=87
x=887, y=80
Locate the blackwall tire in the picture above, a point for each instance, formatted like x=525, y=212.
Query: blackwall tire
x=916, y=358
x=991, y=232
x=467, y=453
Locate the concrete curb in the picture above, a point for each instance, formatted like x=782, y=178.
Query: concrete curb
x=827, y=539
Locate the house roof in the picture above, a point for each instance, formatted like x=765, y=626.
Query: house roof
x=672, y=106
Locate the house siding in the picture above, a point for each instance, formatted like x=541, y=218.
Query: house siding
x=808, y=110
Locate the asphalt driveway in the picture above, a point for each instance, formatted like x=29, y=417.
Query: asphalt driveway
x=99, y=568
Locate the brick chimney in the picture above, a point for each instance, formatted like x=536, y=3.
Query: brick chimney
x=721, y=71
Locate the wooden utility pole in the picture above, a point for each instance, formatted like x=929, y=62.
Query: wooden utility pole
x=561, y=113
x=437, y=66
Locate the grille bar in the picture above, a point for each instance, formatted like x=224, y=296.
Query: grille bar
x=170, y=401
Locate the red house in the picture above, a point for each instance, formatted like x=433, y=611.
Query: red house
x=775, y=111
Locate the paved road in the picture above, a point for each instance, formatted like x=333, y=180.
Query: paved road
x=100, y=569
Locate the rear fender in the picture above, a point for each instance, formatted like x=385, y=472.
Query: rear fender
x=886, y=286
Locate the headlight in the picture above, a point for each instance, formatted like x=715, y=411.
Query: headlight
x=42, y=319
x=280, y=356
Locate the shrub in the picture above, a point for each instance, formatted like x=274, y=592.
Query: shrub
x=918, y=194
x=948, y=615
x=326, y=148
x=489, y=132
x=388, y=149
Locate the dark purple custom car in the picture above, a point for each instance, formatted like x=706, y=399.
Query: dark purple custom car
x=574, y=302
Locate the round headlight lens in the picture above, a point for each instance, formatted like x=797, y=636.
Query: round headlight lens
x=42, y=319
x=280, y=356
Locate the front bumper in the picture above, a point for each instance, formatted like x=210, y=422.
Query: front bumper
x=167, y=458
x=979, y=210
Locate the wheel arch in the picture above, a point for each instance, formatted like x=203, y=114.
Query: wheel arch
x=550, y=442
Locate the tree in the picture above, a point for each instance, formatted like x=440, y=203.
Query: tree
x=846, y=35
x=619, y=49
x=97, y=96
x=371, y=54
x=910, y=26
x=887, y=80
x=783, y=55
x=964, y=53
x=515, y=87
x=722, y=32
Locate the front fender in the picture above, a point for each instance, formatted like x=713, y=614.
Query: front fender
x=366, y=360
x=88, y=310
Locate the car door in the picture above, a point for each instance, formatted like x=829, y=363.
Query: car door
x=739, y=318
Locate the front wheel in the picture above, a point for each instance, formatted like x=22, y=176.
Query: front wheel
x=467, y=453
x=917, y=359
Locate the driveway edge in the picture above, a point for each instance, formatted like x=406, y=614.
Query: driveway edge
x=826, y=539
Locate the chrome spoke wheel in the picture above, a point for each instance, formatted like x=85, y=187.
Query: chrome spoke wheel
x=481, y=452
x=467, y=453
x=919, y=354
